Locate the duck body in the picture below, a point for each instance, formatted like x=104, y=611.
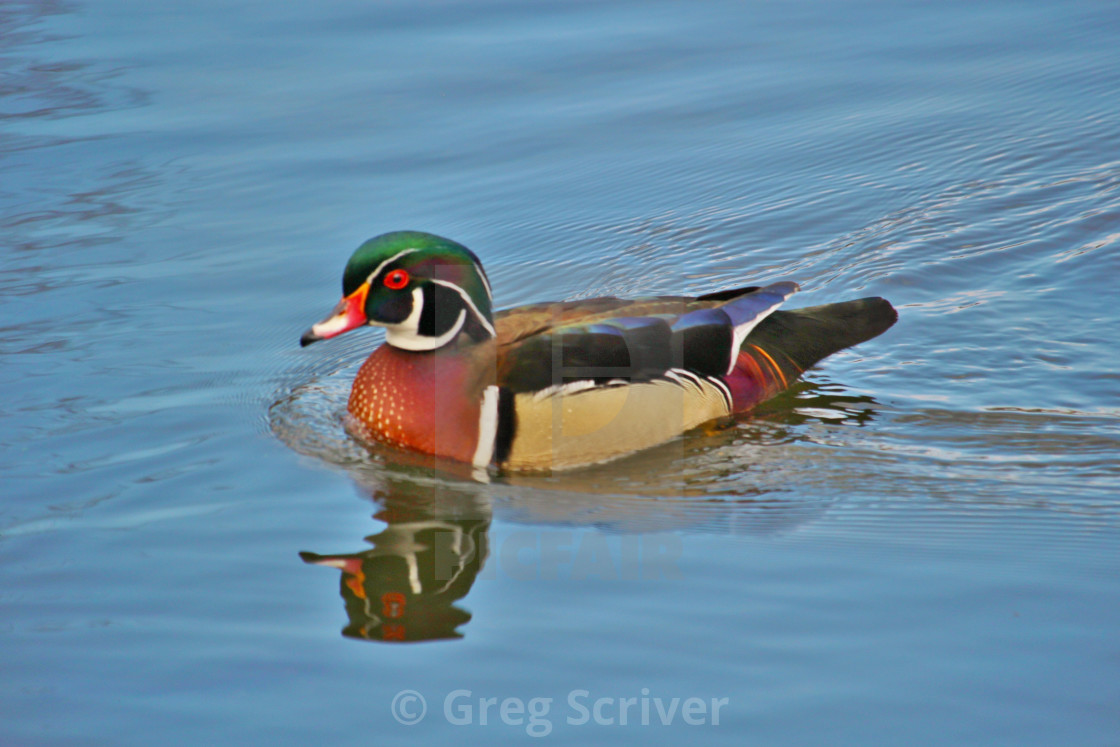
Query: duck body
x=567, y=384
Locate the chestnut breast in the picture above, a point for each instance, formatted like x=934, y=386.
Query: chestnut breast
x=428, y=401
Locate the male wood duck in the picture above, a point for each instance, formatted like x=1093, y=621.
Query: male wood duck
x=560, y=385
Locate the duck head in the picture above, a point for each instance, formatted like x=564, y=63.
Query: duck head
x=425, y=290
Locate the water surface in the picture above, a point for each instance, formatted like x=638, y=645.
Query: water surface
x=917, y=544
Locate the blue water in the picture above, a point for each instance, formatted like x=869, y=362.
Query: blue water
x=919, y=544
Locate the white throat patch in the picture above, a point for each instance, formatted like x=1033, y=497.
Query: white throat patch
x=406, y=335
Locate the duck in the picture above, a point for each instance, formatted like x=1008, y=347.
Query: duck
x=565, y=384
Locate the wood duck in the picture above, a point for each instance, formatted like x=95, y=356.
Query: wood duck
x=566, y=384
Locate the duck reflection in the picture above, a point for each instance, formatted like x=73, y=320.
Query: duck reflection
x=406, y=586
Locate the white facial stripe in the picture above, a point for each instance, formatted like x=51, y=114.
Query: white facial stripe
x=401, y=337
x=394, y=258
x=487, y=427
x=398, y=335
x=485, y=281
x=477, y=315
x=412, y=321
x=405, y=337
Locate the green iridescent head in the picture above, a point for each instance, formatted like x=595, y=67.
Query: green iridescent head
x=424, y=289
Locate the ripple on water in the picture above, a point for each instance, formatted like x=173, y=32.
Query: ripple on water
x=817, y=451
x=732, y=478
x=985, y=395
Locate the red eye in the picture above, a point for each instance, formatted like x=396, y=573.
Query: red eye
x=396, y=279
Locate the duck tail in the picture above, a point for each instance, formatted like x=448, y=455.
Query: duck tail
x=787, y=343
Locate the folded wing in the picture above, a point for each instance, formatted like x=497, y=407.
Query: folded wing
x=631, y=349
